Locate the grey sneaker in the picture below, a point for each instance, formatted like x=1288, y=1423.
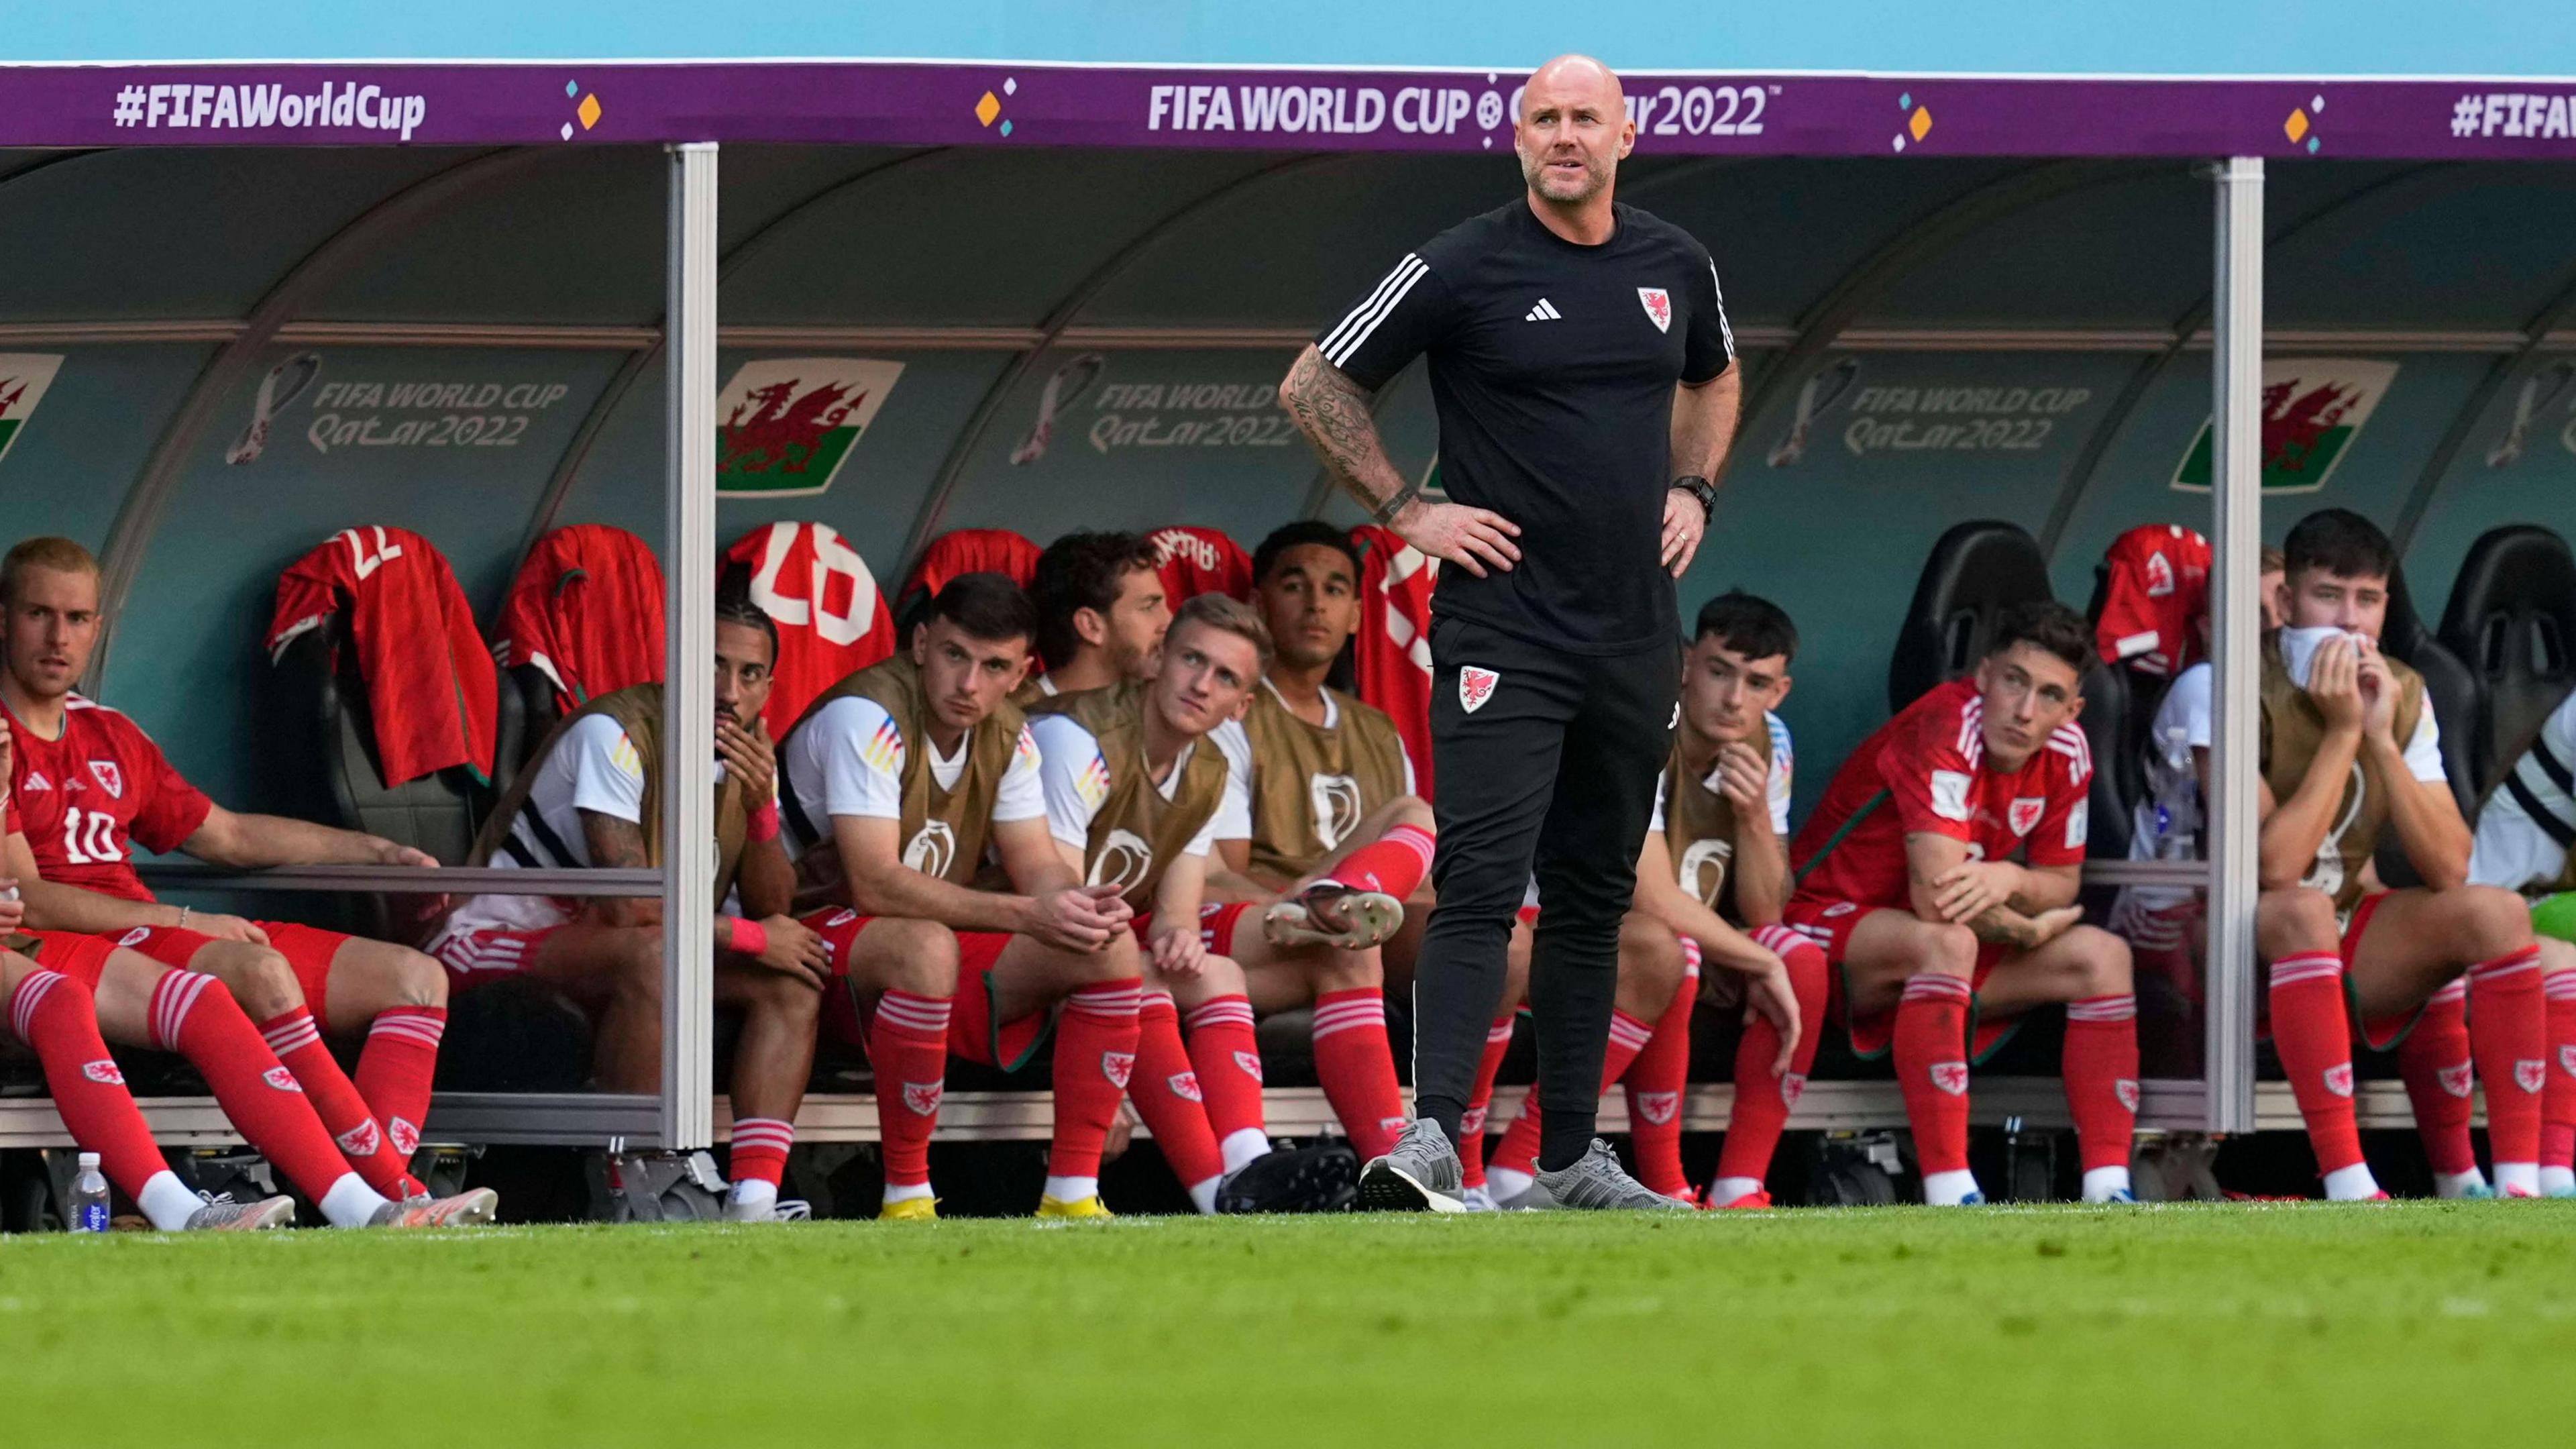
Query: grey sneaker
x=776, y=1210
x=1531, y=1199
x=474, y=1205
x=1596, y=1180
x=223, y=1215
x=1420, y=1173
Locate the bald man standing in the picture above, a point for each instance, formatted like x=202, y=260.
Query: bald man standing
x=1585, y=383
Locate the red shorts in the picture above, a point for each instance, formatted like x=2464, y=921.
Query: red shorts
x=1829, y=924
x=973, y=1033
x=81, y=958
x=473, y=957
x=1218, y=922
x=307, y=950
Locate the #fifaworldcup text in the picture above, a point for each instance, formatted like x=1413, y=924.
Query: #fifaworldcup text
x=182, y=104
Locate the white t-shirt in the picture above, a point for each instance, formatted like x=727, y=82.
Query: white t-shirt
x=2514, y=849
x=848, y=760
x=1784, y=766
x=1234, y=817
x=594, y=767
x=1075, y=778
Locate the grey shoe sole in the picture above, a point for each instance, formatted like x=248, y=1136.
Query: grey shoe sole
x=1387, y=1188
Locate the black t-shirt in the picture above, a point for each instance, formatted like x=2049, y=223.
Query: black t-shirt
x=1552, y=368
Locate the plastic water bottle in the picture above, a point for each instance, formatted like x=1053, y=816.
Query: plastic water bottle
x=89, y=1198
x=2177, y=799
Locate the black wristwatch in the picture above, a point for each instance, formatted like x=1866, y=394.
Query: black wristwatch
x=1703, y=490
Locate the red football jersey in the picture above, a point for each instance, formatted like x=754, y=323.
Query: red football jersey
x=2158, y=592
x=84, y=799
x=1929, y=763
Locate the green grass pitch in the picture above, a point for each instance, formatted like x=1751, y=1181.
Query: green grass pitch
x=2409, y=1324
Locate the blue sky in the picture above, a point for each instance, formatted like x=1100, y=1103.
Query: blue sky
x=2301, y=37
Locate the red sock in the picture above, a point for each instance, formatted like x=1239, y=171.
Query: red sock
x=1519, y=1152
x=1764, y=1098
x=298, y=1043
x=1656, y=1082
x=1471, y=1123
x=2100, y=1064
x=1932, y=1068
x=2440, y=1079
x=56, y=1017
x=1394, y=863
x=1226, y=1053
x=1357, y=1068
x=2558, y=1107
x=1166, y=1092
x=908, y=1047
x=1095, y=1055
x=396, y=1068
x=2313, y=1035
x=194, y=1016
x=2509, y=1035
x=760, y=1149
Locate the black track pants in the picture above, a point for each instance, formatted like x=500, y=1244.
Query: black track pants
x=1551, y=772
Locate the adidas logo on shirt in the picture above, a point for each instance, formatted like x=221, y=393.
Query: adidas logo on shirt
x=36, y=781
x=1545, y=311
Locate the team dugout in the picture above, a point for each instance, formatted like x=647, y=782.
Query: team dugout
x=1035, y=301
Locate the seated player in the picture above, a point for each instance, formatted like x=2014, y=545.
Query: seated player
x=1101, y=613
x=2351, y=751
x=896, y=781
x=88, y=990
x=55, y=1016
x=89, y=784
x=591, y=798
x=1333, y=841
x=1133, y=795
x=2524, y=830
x=1939, y=874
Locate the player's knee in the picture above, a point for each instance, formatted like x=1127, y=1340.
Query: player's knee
x=637, y=967
x=1120, y=960
x=1651, y=964
x=2104, y=961
x=1949, y=950
x=419, y=981
x=2295, y=919
x=782, y=997
x=1345, y=970
x=265, y=985
x=915, y=956
x=1220, y=976
x=2496, y=921
x=1411, y=810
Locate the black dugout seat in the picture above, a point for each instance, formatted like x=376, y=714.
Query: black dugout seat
x=2448, y=682
x=2511, y=619
x=1976, y=571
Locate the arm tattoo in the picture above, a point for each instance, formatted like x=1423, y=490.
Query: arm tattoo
x=614, y=843
x=1333, y=412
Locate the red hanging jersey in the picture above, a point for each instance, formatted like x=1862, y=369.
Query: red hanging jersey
x=586, y=610
x=431, y=686
x=1926, y=771
x=967, y=551
x=1195, y=561
x=85, y=799
x=2156, y=595
x=1392, y=652
x=831, y=619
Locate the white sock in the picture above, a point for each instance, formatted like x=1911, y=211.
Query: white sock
x=1243, y=1145
x=1203, y=1194
x=906, y=1192
x=751, y=1192
x=1505, y=1183
x=351, y=1203
x=2351, y=1184
x=2518, y=1179
x=1072, y=1189
x=1948, y=1189
x=1727, y=1189
x=2557, y=1181
x=2457, y=1184
x=2101, y=1184
x=167, y=1201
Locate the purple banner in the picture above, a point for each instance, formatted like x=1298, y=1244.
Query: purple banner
x=1299, y=110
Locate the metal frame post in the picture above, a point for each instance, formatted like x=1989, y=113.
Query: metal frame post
x=688, y=725
x=2236, y=497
